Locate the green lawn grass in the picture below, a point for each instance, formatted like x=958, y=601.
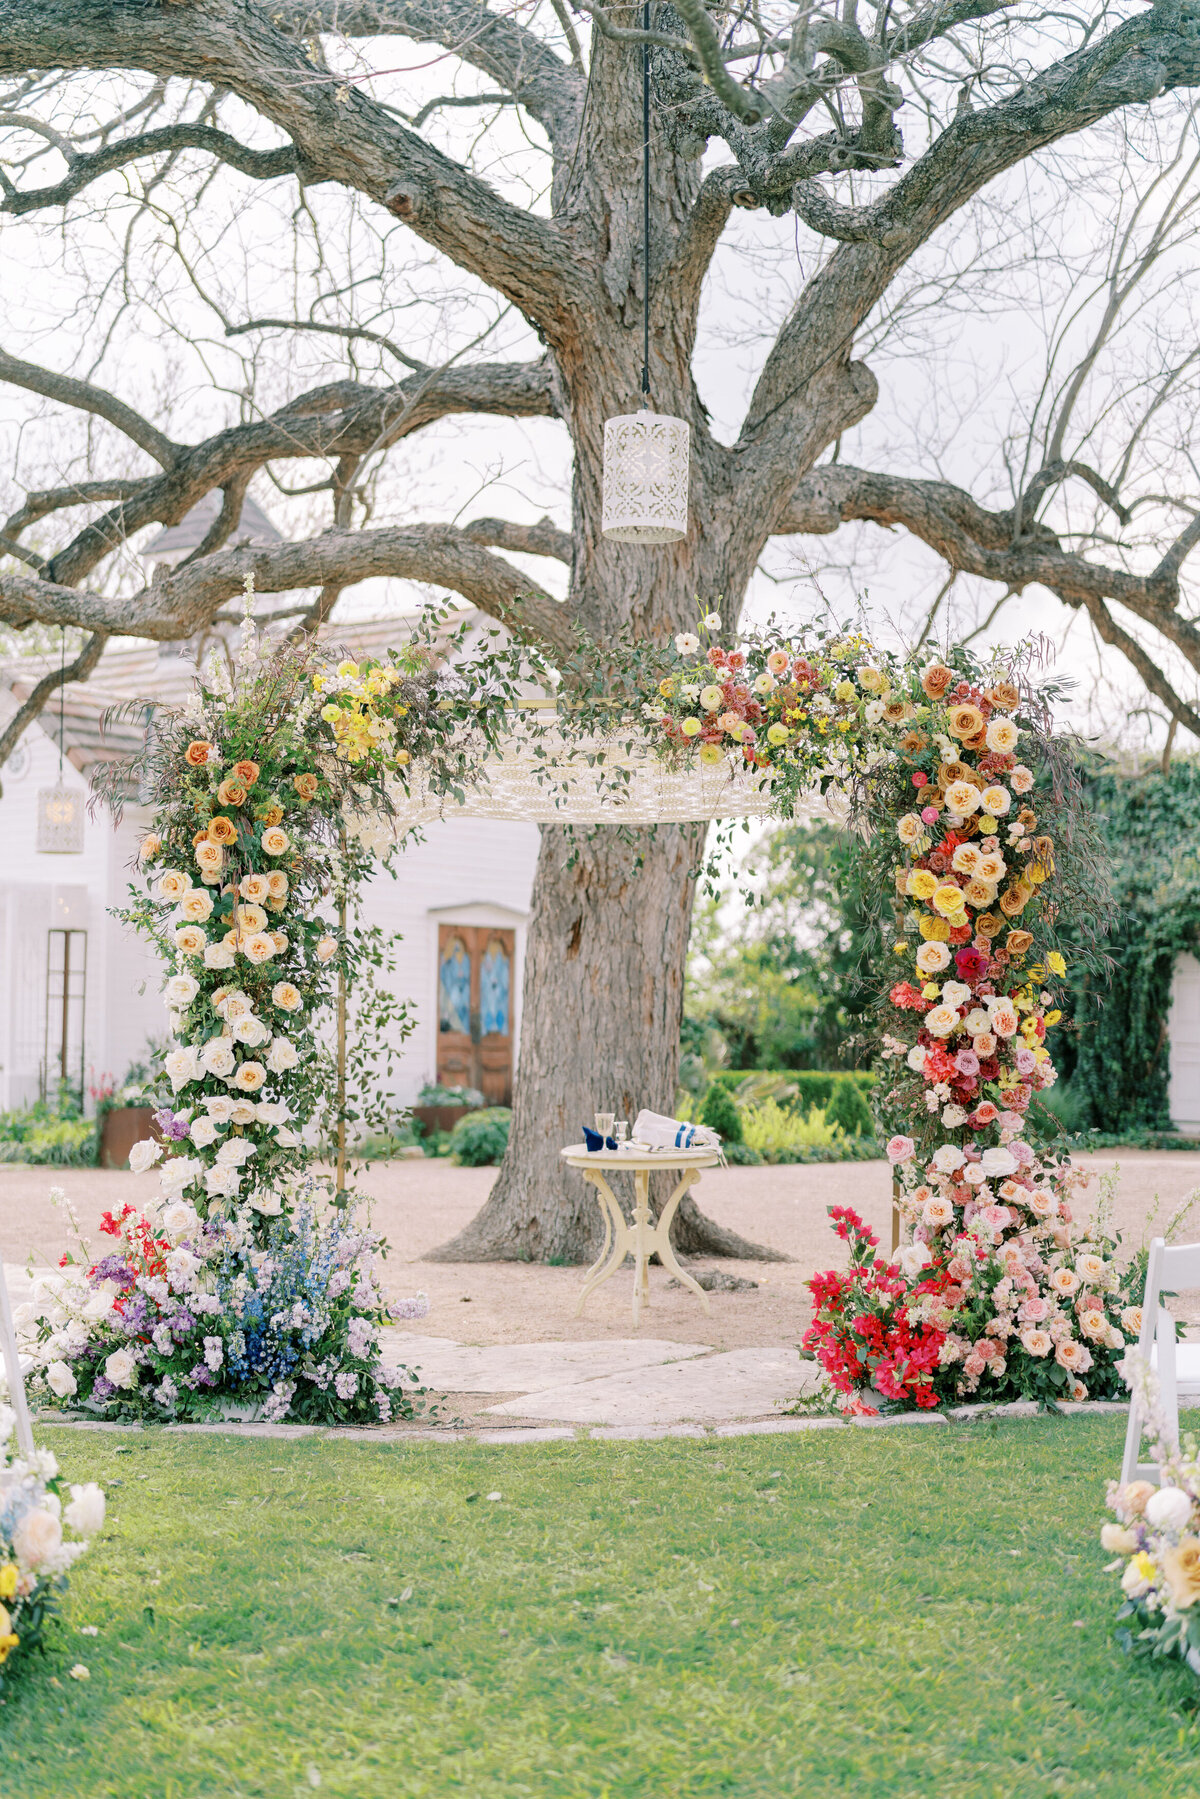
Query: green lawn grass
x=877, y=1613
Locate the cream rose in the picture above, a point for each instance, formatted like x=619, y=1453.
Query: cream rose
x=941, y=1020
x=171, y=885
x=937, y=1212
x=277, y=883
x=1021, y=779
x=37, y=1537
x=274, y=840
x=282, y=1055
x=220, y=955
x=250, y=1077
x=932, y=957
x=217, y=1057
x=258, y=947
x=1001, y=736
x=962, y=797
x=1037, y=1342
x=196, y=905
x=909, y=828
x=181, y=990
x=965, y=860
x=996, y=800
x=326, y=949
x=286, y=996
x=255, y=888
x=190, y=940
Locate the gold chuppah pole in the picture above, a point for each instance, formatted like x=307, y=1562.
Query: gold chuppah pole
x=341, y=1028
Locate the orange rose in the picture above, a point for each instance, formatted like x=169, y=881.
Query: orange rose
x=222, y=830
x=949, y=772
x=246, y=772
x=1019, y=943
x=895, y=711
x=273, y=815
x=1043, y=849
x=977, y=740
x=231, y=793
x=988, y=925
x=913, y=742
x=1004, y=694
x=965, y=721
x=200, y=837
x=306, y=786
x=936, y=679
x=1014, y=899
x=1027, y=818
x=151, y=847
x=198, y=753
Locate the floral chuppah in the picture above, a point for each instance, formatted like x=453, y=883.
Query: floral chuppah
x=257, y=787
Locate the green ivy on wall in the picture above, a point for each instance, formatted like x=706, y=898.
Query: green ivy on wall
x=1117, y=1057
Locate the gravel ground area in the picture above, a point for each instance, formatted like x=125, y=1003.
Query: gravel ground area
x=419, y=1204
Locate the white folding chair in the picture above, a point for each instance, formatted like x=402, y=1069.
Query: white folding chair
x=1170, y=1269
x=14, y=1368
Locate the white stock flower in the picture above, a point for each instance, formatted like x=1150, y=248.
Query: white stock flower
x=144, y=1155
x=85, y=1514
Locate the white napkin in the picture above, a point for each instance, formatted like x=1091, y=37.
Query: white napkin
x=653, y=1131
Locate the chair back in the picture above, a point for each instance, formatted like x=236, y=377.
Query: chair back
x=11, y=1358
x=1170, y=1268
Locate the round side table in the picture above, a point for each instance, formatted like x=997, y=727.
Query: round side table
x=646, y=1236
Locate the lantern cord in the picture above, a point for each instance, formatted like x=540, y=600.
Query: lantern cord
x=62, y=680
x=646, y=209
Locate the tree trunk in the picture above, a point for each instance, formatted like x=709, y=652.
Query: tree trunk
x=599, y=1030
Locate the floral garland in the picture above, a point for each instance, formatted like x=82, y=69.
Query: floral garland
x=35, y=1552
x=242, y=1282
x=995, y=1290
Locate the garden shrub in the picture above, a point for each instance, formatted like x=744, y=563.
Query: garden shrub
x=848, y=1108
x=481, y=1139
x=813, y=1086
x=720, y=1113
x=776, y=1131
x=39, y=1134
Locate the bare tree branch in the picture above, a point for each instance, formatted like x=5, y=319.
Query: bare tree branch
x=181, y=602
x=261, y=165
x=85, y=397
x=79, y=670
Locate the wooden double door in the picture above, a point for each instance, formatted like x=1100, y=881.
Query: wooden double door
x=476, y=969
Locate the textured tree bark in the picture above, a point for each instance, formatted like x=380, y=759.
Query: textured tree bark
x=600, y=1027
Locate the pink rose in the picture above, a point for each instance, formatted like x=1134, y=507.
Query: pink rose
x=1034, y=1309
x=900, y=1149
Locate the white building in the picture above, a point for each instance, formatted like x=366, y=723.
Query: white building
x=80, y=992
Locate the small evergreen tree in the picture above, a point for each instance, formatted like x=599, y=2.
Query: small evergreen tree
x=720, y=1113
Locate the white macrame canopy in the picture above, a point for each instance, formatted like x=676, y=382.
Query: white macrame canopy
x=546, y=779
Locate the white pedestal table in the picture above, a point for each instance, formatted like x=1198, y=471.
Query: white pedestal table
x=646, y=1236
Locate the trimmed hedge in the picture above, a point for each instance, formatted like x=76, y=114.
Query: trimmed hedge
x=814, y=1086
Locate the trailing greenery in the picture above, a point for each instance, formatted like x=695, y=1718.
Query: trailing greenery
x=885, y=1612
x=480, y=1139
x=1117, y=1057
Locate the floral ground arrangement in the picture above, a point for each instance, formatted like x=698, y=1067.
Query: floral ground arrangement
x=1155, y=1539
x=619, y=1620
x=45, y=1526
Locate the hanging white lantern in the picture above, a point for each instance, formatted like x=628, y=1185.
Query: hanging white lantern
x=645, y=478
x=60, y=821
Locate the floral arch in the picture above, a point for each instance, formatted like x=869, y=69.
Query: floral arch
x=274, y=792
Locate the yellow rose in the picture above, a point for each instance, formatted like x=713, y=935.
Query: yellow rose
x=844, y=691
x=666, y=687
x=934, y=930
x=948, y=899
x=921, y=883
x=8, y=1580
x=250, y=1077
x=1056, y=963
x=987, y=824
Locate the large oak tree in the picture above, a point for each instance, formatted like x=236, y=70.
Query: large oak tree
x=773, y=110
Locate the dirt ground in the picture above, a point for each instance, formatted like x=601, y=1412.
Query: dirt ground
x=419, y=1204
